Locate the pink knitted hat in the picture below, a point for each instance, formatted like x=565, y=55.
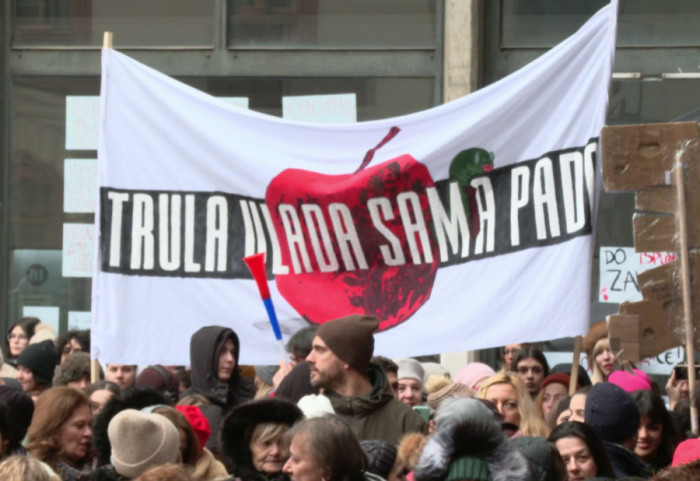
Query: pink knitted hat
x=631, y=381
x=473, y=373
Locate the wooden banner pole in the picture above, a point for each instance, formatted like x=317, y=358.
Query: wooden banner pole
x=578, y=341
x=94, y=363
x=686, y=283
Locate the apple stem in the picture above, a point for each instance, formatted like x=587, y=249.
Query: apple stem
x=370, y=153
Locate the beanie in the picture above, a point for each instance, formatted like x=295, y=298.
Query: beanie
x=686, y=452
x=557, y=377
x=161, y=380
x=315, y=406
x=434, y=368
x=472, y=468
x=266, y=373
x=351, y=340
x=74, y=367
x=41, y=359
x=474, y=372
x=199, y=423
x=454, y=390
x=638, y=380
x=410, y=369
x=583, y=379
x=381, y=456
x=21, y=406
x=611, y=412
x=141, y=441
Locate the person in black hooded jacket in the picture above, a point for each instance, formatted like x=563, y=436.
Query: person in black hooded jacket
x=214, y=352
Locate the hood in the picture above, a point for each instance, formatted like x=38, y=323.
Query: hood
x=359, y=405
x=205, y=346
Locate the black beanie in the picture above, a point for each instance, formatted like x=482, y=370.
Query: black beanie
x=381, y=455
x=21, y=409
x=41, y=359
x=612, y=412
x=350, y=338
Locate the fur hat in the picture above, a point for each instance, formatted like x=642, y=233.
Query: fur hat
x=474, y=372
x=199, y=423
x=74, y=367
x=43, y=332
x=631, y=381
x=141, y=441
x=351, y=339
x=598, y=331
x=467, y=428
x=611, y=412
x=238, y=426
x=410, y=369
x=410, y=448
x=454, y=390
x=381, y=456
x=41, y=359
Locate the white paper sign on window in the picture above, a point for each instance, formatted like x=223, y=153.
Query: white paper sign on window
x=78, y=241
x=79, y=320
x=46, y=314
x=619, y=267
x=82, y=121
x=324, y=109
x=241, y=102
x=79, y=185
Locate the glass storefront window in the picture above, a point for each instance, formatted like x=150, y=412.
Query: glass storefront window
x=332, y=23
x=642, y=23
x=135, y=23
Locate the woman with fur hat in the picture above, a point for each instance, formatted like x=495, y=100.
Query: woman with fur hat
x=251, y=438
x=468, y=444
x=601, y=359
x=61, y=432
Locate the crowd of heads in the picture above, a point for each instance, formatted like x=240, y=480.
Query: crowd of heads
x=333, y=412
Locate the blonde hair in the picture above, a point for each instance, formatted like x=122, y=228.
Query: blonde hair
x=267, y=431
x=21, y=468
x=530, y=423
x=598, y=347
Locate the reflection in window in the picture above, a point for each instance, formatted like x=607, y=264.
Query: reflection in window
x=134, y=22
x=332, y=23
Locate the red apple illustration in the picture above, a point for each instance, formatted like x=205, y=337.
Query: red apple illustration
x=360, y=269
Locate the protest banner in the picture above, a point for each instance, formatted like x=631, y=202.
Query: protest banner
x=465, y=226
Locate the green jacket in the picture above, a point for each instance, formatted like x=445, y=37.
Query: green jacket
x=377, y=415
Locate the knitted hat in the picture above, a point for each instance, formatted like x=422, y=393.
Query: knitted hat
x=22, y=408
x=686, y=452
x=611, y=412
x=598, y=331
x=631, y=381
x=159, y=379
x=266, y=373
x=410, y=369
x=474, y=372
x=141, y=441
x=434, y=368
x=351, y=340
x=565, y=367
x=315, y=405
x=74, y=367
x=41, y=359
x=381, y=456
x=199, y=423
x=454, y=390
x=472, y=468
x=559, y=377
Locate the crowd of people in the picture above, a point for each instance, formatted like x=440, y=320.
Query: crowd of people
x=334, y=412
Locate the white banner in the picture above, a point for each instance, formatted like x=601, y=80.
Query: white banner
x=469, y=226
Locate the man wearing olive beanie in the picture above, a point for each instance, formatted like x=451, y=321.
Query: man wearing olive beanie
x=358, y=390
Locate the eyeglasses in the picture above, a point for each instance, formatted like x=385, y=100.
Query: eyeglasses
x=21, y=337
